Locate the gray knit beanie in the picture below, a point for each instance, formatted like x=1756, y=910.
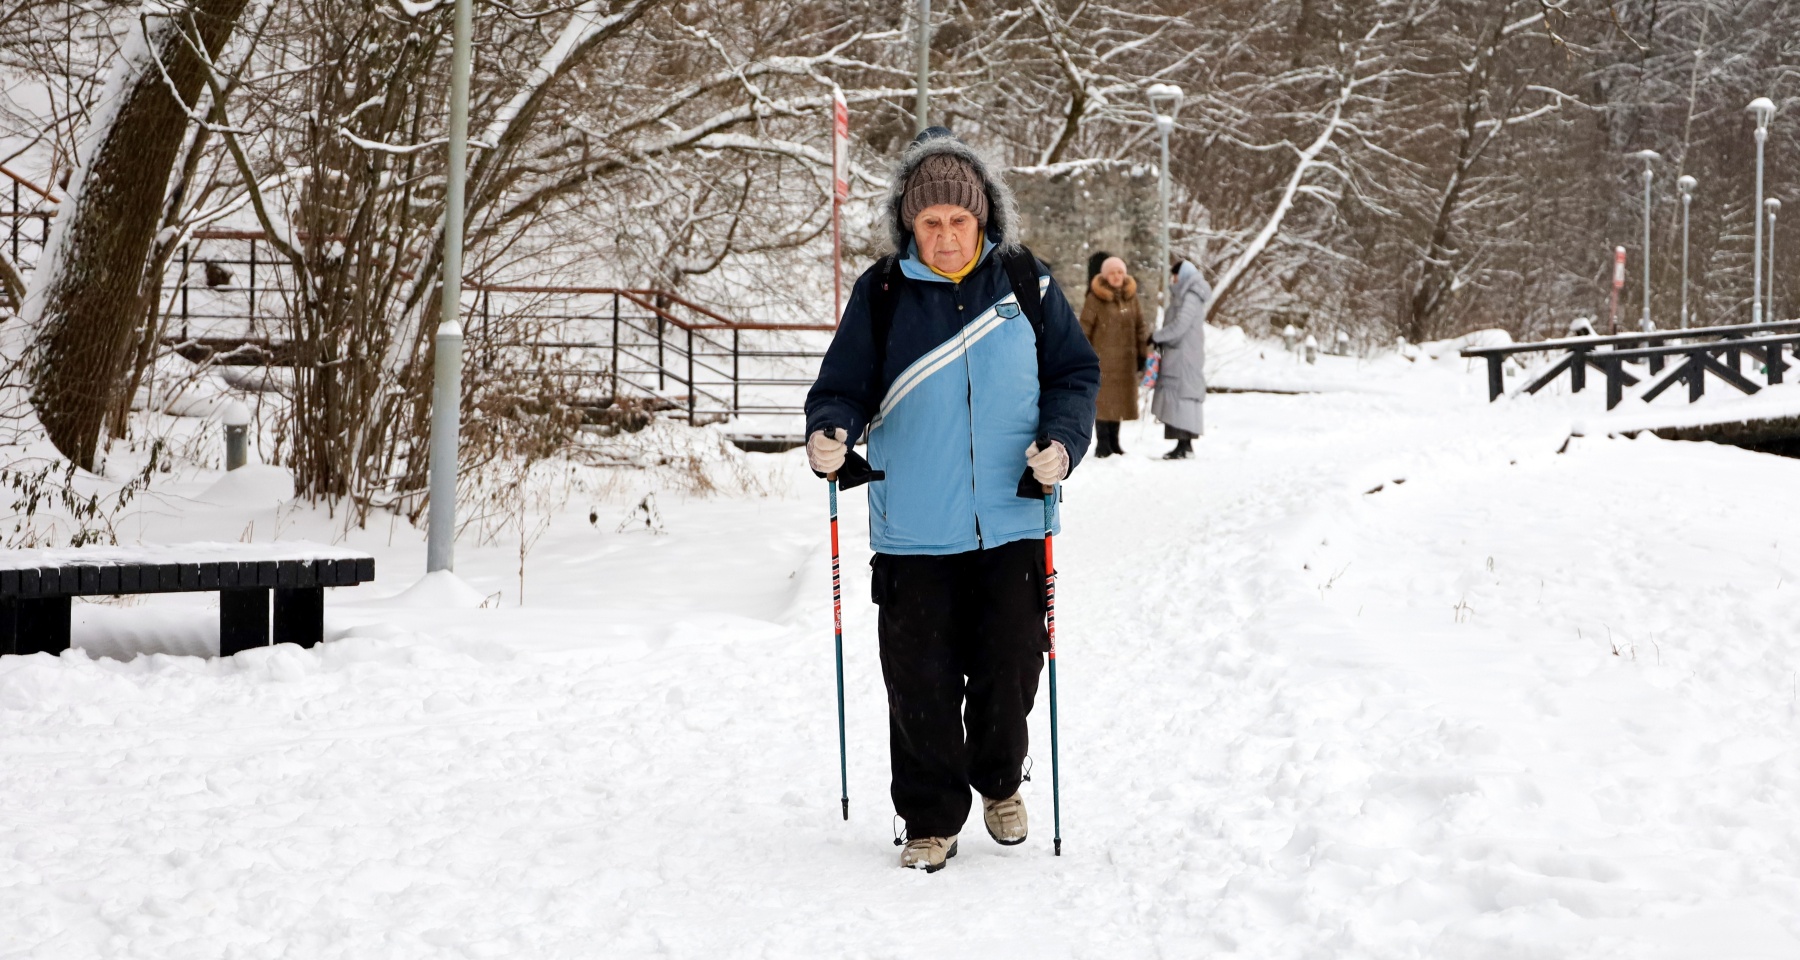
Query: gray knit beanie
x=944, y=178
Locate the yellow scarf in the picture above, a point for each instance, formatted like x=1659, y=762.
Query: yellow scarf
x=957, y=277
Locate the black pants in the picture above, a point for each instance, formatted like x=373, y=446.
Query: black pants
x=962, y=645
x=1106, y=437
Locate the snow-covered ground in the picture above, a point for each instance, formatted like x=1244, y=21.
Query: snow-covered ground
x=1523, y=704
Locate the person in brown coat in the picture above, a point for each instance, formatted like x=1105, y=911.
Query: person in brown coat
x=1120, y=332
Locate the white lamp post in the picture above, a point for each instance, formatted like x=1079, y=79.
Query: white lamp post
x=924, y=79
x=1165, y=100
x=1649, y=157
x=446, y=394
x=1772, y=206
x=1687, y=185
x=1764, y=108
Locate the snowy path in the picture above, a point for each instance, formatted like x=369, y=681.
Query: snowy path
x=1300, y=720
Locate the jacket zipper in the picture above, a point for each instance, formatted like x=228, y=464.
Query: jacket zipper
x=969, y=379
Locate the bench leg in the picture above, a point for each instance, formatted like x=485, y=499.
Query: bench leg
x=34, y=625
x=243, y=620
x=299, y=615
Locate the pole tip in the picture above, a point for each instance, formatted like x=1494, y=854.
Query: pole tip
x=1059, y=846
x=846, y=808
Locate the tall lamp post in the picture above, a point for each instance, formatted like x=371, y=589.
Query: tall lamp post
x=1764, y=108
x=1165, y=100
x=446, y=379
x=1649, y=157
x=1686, y=184
x=924, y=50
x=1772, y=206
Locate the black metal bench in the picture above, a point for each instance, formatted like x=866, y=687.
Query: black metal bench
x=37, y=587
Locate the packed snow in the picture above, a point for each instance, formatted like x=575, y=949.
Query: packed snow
x=1381, y=673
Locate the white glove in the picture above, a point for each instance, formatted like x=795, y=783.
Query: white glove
x=1049, y=465
x=825, y=451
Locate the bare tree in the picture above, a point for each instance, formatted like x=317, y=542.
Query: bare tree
x=87, y=296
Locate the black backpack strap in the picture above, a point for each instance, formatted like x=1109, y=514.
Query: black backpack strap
x=884, y=295
x=1022, y=272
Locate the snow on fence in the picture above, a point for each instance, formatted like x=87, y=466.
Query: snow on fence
x=1660, y=359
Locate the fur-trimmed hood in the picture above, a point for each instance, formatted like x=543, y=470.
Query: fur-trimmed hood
x=1003, y=210
x=1105, y=291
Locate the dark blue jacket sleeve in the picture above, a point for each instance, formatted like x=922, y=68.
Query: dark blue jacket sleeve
x=1068, y=377
x=849, y=389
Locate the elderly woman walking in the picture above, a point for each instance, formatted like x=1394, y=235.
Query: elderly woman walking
x=1120, y=333
x=1181, y=380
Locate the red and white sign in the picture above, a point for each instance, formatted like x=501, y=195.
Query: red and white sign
x=840, y=144
x=1618, y=266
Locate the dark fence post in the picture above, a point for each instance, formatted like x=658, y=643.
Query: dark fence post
x=187, y=257
x=253, y=283
x=736, y=378
x=662, y=364
x=690, y=375
x=487, y=355
x=615, y=348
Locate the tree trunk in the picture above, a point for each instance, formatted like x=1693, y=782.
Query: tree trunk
x=89, y=299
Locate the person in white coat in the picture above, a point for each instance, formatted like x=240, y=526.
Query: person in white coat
x=1181, y=380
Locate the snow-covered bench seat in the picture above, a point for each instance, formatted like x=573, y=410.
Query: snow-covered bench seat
x=36, y=587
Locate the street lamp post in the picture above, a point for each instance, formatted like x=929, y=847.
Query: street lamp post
x=1687, y=185
x=924, y=94
x=1764, y=108
x=1773, y=207
x=1649, y=157
x=1165, y=100
x=446, y=394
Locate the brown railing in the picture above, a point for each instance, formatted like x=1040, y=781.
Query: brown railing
x=227, y=294
x=24, y=225
x=655, y=344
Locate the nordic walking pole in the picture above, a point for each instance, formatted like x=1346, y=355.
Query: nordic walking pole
x=1050, y=624
x=837, y=617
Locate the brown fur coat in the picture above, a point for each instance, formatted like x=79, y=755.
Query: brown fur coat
x=1120, y=332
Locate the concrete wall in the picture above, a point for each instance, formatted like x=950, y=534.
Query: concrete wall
x=1068, y=214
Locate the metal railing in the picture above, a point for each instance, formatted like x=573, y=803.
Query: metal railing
x=650, y=344
x=25, y=224
x=1696, y=353
x=226, y=296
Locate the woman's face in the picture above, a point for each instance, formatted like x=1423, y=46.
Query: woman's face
x=1113, y=272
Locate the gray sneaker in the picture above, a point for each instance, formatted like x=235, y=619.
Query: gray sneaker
x=1005, y=819
x=927, y=853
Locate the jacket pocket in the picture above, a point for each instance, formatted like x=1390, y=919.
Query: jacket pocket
x=878, y=577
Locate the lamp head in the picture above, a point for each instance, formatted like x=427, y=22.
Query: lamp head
x=1764, y=108
x=1687, y=183
x=1772, y=206
x=1165, y=98
x=1648, y=156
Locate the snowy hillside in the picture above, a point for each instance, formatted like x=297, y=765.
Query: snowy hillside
x=1380, y=674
